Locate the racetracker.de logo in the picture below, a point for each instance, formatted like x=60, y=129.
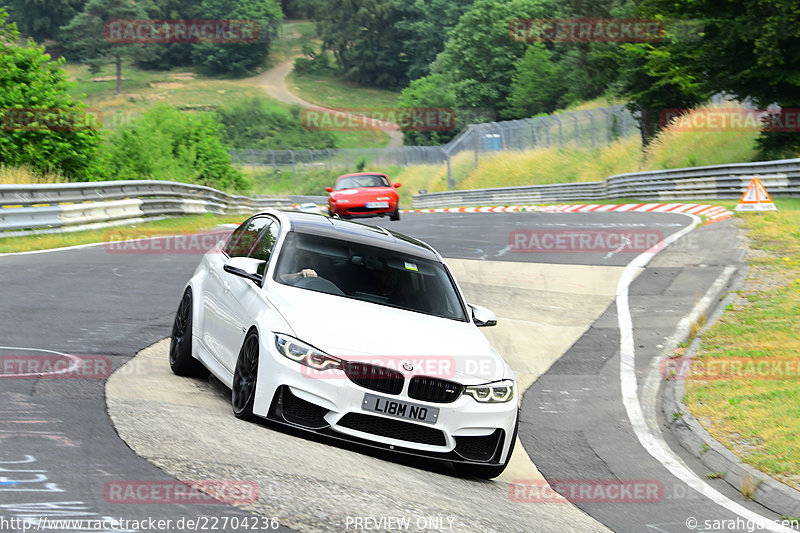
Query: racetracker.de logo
x=151, y=242
x=586, y=491
x=52, y=366
x=730, y=368
x=180, y=31
x=50, y=118
x=731, y=119
x=386, y=367
x=180, y=492
x=586, y=30
x=584, y=240
x=359, y=119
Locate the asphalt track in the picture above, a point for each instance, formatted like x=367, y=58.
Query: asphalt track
x=58, y=449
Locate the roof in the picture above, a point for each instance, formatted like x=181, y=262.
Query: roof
x=345, y=230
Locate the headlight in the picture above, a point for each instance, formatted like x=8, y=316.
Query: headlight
x=304, y=354
x=497, y=392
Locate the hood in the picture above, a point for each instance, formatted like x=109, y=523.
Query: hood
x=364, y=193
x=381, y=335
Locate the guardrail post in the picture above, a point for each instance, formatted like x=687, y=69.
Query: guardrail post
x=450, y=184
x=291, y=152
x=274, y=166
x=591, y=124
x=476, y=140
x=608, y=124
x=577, y=133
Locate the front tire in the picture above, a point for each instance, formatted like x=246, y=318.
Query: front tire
x=396, y=215
x=243, y=392
x=180, y=345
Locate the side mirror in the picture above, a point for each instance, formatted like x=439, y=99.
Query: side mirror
x=247, y=268
x=396, y=185
x=329, y=189
x=482, y=316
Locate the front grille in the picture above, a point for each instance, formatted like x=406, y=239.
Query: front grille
x=372, y=377
x=479, y=448
x=393, y=429
x=298, y=411
x=434, y=390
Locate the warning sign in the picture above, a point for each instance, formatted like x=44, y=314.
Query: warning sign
x=755, y=198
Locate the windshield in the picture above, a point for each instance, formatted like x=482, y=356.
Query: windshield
x=368, y=273
x=355, y=182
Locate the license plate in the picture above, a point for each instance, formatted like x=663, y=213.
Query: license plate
x=376, y=205
x=400, y=409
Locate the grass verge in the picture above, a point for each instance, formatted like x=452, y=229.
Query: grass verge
x=757, y=414
x=168, y=226
x=335, y=91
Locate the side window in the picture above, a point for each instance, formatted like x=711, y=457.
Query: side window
x=241, y=241
x=266, y=241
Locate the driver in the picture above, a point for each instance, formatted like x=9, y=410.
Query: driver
x=311, y=262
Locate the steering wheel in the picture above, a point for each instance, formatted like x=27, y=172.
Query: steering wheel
x=320, y=285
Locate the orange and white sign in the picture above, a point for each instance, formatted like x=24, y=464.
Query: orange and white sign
x=756, y=198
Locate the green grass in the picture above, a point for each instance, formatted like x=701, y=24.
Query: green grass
x=759, y=418
x=185, y=224
x=293, y=35
x=335, y=91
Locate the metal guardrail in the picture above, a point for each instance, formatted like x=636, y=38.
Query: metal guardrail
x=717, y=182
x=43, y=208
x=26, y=209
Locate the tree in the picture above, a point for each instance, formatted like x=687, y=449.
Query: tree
x=237, y=57
x=747, y=48
x=41, y=19
x=364, y=39
x=42, y=125
x=86, y=39
x=428, y=91
x=538, y=85
x=425, y=25
x=479, y=57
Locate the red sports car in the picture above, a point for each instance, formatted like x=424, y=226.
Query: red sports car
x=366, y=194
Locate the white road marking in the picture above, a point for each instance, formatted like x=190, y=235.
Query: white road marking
x=75, y=363
x=654, y=444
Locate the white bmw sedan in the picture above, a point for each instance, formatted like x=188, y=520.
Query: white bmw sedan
x=351, y=331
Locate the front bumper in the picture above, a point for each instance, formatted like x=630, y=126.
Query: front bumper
x=465, y=430
x=360, y=211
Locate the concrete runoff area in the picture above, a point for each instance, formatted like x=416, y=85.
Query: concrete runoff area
x=186, y=427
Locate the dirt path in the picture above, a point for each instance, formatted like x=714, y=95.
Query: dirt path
x=273, y=81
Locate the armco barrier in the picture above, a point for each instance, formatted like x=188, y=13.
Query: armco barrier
x=718, y=182
x=26, y=209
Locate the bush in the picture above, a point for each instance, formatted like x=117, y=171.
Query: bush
x=167, y=144
x=252, y=123
x=314, y=63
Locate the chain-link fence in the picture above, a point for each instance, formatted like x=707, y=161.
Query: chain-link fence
x=584, y=128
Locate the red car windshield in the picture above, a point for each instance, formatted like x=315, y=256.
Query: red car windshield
x=356, y=182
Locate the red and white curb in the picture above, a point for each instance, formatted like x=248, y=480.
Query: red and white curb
x=713, y=213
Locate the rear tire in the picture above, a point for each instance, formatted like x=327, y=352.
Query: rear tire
x=396, y=215
x=180, y=345
x=243, y=392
